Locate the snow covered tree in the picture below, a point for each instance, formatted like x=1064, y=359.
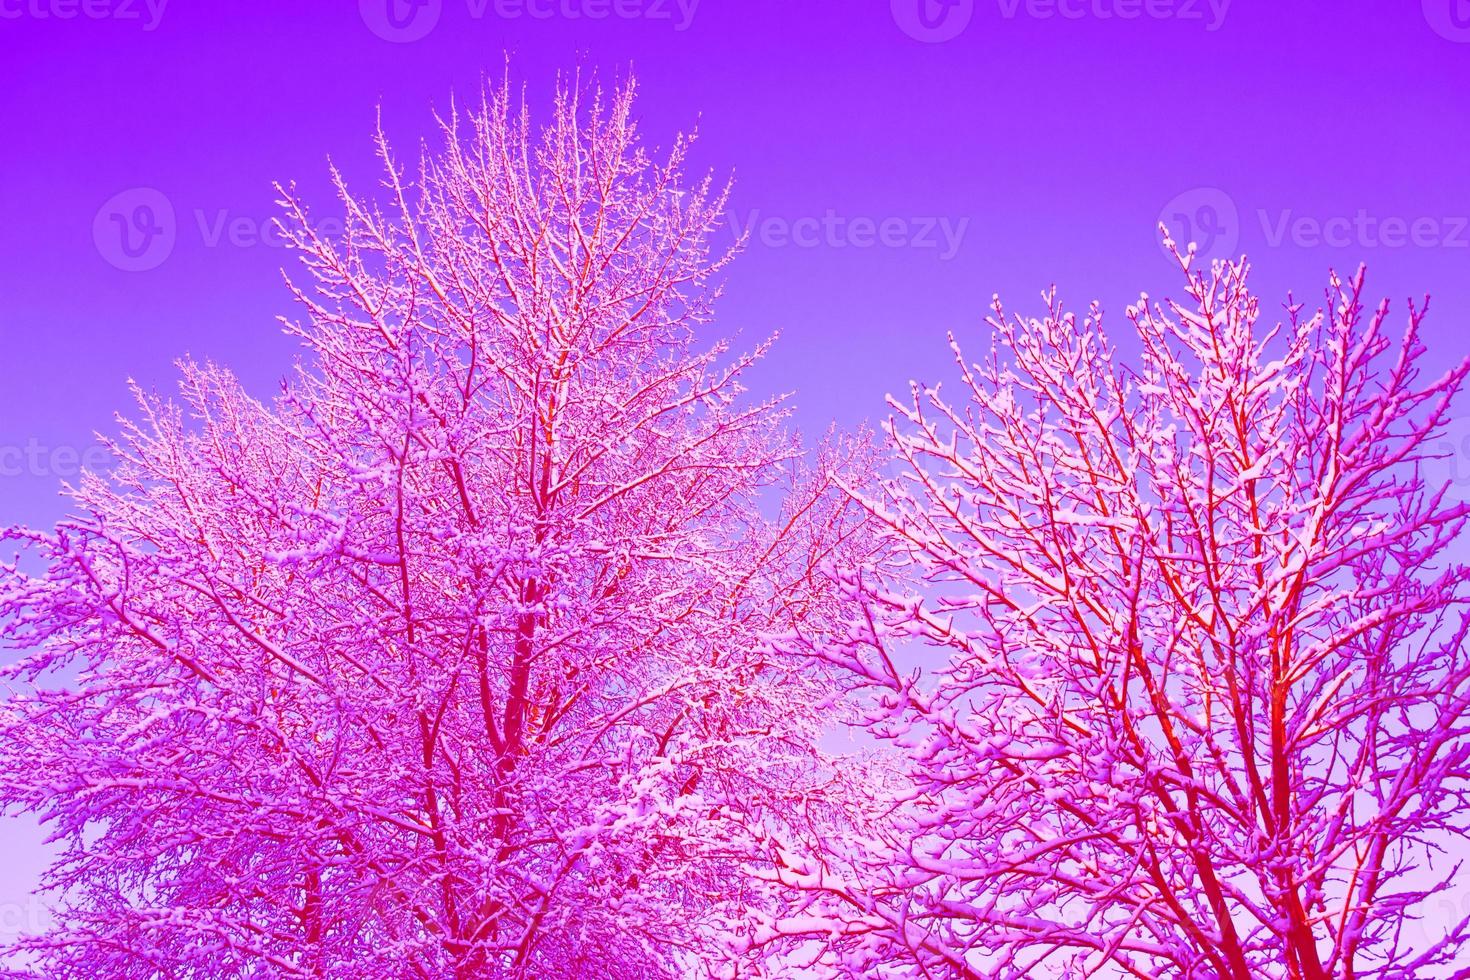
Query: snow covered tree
x=448, y=661
x=1201, y=707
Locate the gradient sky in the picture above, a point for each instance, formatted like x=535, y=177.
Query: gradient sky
x=896, y=163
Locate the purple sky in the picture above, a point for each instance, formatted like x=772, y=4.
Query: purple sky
x=896, y=163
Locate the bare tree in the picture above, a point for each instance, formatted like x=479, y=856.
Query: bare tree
x=449, y=661
x=1201, y=707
